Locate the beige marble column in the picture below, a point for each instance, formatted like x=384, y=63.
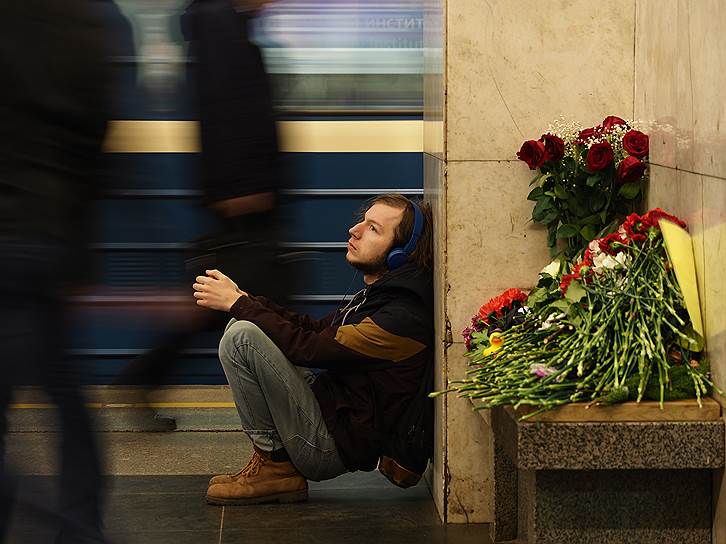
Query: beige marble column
x=497, y=73
x=680, y=80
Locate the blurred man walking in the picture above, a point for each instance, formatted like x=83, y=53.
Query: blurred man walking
x=55, y=103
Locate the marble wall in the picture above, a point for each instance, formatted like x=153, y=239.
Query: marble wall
x=680, y=66
x=496, y=76
x=497, y=73
x=435, y=192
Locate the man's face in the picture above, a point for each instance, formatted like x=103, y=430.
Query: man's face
x=372, y=238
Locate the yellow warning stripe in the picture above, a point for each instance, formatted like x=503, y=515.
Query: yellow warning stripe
x=96, y=405
x=295, y=136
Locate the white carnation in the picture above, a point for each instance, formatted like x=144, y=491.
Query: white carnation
x=603, y=260
x=552, y=269
x=594, y=247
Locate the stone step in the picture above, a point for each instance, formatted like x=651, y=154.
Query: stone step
x=195, y=408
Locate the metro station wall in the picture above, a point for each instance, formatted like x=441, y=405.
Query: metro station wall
x=680, y=68
x=496, y=75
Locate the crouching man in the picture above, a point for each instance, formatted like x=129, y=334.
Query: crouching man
x=374, y=352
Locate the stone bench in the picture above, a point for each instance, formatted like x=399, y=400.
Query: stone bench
x=615, y=481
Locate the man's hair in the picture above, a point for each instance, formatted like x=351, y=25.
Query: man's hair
x=423, y=253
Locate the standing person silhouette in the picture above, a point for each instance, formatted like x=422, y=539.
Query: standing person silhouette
x=56, y=100
x=240, y=170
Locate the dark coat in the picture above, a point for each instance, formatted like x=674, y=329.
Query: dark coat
x=55, y=102
x=375, y=349
x=234, y=102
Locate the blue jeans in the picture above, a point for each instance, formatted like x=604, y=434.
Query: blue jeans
x=275, y=403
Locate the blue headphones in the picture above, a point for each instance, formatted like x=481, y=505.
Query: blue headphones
x=398, y=256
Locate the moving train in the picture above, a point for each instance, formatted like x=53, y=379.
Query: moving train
x=348, y=83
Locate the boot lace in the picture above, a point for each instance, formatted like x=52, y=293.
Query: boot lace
x=254, y=465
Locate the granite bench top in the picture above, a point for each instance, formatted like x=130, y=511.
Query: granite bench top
x=610, y=445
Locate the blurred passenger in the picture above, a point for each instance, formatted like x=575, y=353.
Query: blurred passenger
x=375, y=349
x=55, y=102
x=240, y=170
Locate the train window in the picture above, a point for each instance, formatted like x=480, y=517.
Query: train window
x=340, y=56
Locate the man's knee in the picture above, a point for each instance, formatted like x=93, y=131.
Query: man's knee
x=229, y=324
x=236, y=337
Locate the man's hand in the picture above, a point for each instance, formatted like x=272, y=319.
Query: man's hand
x=216, y=291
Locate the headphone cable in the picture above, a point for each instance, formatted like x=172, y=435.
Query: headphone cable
x=347, y=291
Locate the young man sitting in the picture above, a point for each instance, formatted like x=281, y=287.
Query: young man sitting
x=374, y=350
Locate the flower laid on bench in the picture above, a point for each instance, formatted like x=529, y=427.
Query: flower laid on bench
x=497, y=315
x=610, y=327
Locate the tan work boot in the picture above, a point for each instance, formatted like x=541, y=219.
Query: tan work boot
x=228, y=478
x=262, y=480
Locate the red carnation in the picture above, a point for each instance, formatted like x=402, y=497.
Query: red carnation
x=533, y=153
x=501, y=303
x=578, y=273
x=565, y=282
x=612, y=121
x=612, y=244
x=629, y=169
x=585, y=134
x=636, y=143
x=637, y=227
x=652, y=218
x=554, y=147
x=634, y=228
x=587, y=256
x=599, y=156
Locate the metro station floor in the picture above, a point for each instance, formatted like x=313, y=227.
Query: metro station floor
x=156, y=494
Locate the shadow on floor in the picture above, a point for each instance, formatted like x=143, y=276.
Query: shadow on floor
x=354, y=508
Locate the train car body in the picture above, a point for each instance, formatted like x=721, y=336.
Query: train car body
x=347, y=78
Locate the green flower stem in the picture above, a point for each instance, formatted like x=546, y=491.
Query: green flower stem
x=623, y=328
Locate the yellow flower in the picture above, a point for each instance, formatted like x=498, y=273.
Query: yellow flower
x=495, y=343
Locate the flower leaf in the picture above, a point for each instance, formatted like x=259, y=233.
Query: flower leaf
x=576, y=207
x=536, y=296
x=561, y=193
x=568, y=231
x=540, y=178
x=589, y=232
x=594, y=219
x=694, y=342
x=543, y=205
x=597, y=201
x=592, y=181
x=535, y=194
x=551, y=236
x=551, y=217
x=629, y=190
x=562, y=305
x=575, y=292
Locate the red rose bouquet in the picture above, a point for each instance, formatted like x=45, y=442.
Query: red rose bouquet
x=589, y=178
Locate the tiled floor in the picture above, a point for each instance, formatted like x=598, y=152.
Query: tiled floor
x=355, y=508
x=156, y=496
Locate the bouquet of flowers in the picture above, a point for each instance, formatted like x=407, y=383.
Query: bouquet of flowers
x=588, y=180
x=611, y=327
x=496, y=316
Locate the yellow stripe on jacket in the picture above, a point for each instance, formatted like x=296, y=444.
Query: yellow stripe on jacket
x=369, y=339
